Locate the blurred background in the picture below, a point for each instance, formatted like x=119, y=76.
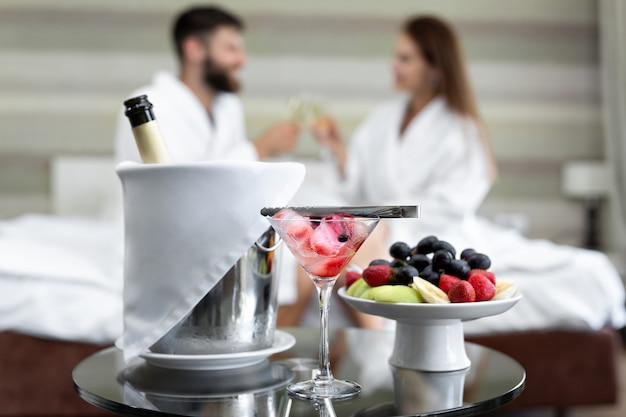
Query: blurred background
x=66, y=66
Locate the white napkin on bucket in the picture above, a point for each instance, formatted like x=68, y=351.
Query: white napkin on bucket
x=186, y=225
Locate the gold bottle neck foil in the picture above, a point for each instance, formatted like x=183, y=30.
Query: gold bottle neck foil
x=151, y=144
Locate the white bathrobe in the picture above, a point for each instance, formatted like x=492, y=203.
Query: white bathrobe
x=439, y=163
x=189, y=132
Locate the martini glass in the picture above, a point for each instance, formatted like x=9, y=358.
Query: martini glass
x=323, y=245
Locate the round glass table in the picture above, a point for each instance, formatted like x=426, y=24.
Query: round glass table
x=142, y=389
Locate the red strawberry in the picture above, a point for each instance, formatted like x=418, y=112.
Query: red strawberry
x=376, y=275
x=351, y=277
x=328, y=268
x=483, y=287
x=488, y=274
x=447, y=281
x=462, y=292
x=298, y=230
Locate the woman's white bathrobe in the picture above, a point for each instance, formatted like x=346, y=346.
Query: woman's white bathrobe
x=439, y=163
x=189, y=132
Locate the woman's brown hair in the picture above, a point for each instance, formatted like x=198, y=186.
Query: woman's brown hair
x=441, y=48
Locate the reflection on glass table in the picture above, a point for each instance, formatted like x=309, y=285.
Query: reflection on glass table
x=141, y=389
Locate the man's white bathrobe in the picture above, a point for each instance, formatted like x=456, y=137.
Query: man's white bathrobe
x=440, y=163
x=189, y=132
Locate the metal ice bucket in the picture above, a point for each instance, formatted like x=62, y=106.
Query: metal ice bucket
x=238, y=314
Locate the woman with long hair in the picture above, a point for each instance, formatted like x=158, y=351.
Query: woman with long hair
x=431, y=148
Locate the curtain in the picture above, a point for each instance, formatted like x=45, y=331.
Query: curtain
x=612, y=17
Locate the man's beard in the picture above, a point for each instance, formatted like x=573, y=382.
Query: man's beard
x=218, y=79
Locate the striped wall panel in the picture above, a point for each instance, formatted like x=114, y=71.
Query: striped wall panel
x=65, y=67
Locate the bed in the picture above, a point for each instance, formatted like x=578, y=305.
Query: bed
x=42, y=339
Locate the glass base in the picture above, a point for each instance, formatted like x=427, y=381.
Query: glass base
x=332, y=388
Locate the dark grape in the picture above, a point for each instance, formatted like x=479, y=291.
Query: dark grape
x=404, y=274
x=429, y=275
x=379, y=262
x=396, y=263
x=479, y=261
x=467, y=253
x=458, y=268
x=425, y=246
x=441, y=259
x=419, y=261
x=442, y=244
x=400, y=250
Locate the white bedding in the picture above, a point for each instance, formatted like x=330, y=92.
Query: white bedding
x=62, y=278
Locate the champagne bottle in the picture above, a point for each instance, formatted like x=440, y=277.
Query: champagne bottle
x=150, y=143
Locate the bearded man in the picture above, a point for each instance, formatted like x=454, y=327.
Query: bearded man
x=199, y=113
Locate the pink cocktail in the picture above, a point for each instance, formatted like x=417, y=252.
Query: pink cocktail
x=323, y=245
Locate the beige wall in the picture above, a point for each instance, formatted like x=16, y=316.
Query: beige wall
x=65, y=67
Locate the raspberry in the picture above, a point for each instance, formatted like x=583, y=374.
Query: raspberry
x=378, y=275
x=447, y=281
x=328, y=268
x=483, y=287
x=462, y=292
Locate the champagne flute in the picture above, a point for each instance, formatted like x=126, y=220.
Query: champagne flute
x=318, y=117
x=297, y=109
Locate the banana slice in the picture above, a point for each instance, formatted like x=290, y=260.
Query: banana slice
x=505, y=289
x=429, y=292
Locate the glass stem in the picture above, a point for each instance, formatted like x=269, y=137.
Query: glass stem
x=324, y=290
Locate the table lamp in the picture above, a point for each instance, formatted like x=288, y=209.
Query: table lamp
x=587, y=180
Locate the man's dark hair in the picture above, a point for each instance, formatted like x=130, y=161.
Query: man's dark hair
x=201, y=21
